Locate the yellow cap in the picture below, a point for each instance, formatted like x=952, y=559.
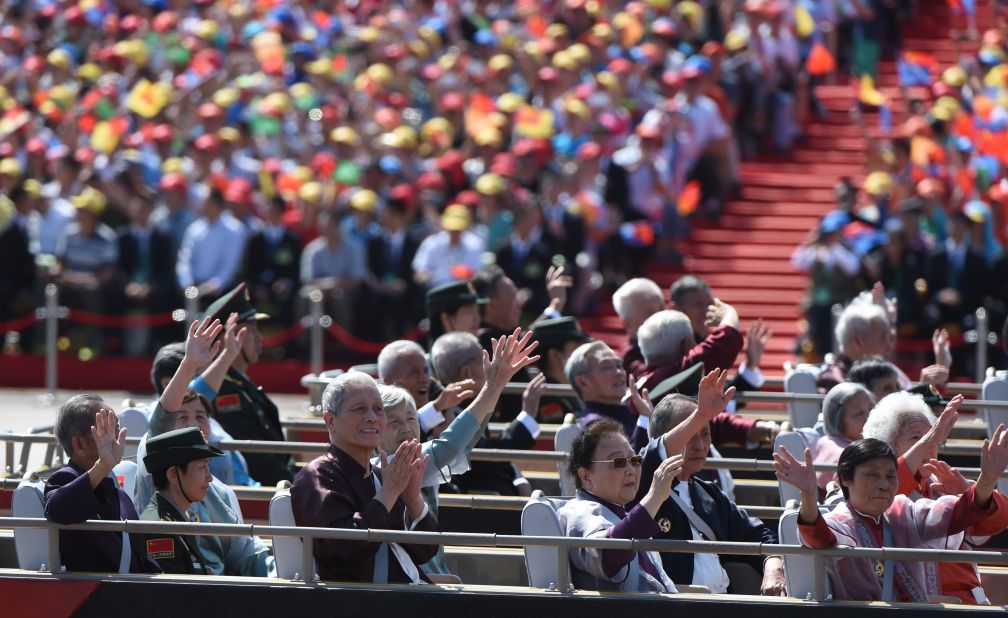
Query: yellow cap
x=509, y=102
x=949, y=103
x=556, y=30
x=32, y=187
x=59, y=58
x=878, y=184
x=563, y=60
x=367, y=34
x=489, y=136
x=320, y=66
x=90, y=199
x=172, y=165
x=345, y=135
x=89, y=72
x=230, y=135
x=692, y=11
x=10, y=167
x=580, y=53
x=603, y=31
x=735, y=40
x=380, y=73
x=577, y=107
x=419, y=48
x=456, y=218
x=500, y=62
x=407, y=136
x=311, y=192
x=434, y=126
x=364, y=200
x=954, y=76
x=225, y=97
x=941, y=113
x=430, y=36
x=490, y=184
x=206, y=29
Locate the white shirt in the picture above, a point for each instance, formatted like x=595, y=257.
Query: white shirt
x=438, y=256
x=707, y=569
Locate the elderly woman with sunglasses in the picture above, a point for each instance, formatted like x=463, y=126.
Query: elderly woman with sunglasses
x=607, y=473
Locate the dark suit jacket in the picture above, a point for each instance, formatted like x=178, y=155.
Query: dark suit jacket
x=380, y=263
x=726, y=519
x=627, y=418
x=267, y=262
x=161, y=265
x=498, y=476
x=529, y=271
x=69, y=499
x=972, y=283
x=17, y=272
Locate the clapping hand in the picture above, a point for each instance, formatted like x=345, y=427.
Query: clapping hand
x=713, y=397
x=994, y=454
x=532, y=395
x=200, y=346
x=941, y=430
x=510, y=355
x=556, y=286
x=109, y=439
x=794, y=472
x=454, y=394
x=755, y=343
x=950, y=482
x=639, y=399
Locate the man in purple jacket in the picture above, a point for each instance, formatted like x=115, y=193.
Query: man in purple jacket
x=84, y=489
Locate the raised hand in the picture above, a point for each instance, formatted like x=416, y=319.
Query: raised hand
x=937, y=375
x=510, y=355
x=200, y=346
x=794, y=472
x=927, y=447
x=556, y=286
x=950, y=482
x=454, y=394
x=942, y=348
x=722, y=314
x=755, y=343
x=640, y=400
x=532, y=395
x=234, y=337
x=109, y=439
x=993, y=460
x=661, y=484
x=713, y=397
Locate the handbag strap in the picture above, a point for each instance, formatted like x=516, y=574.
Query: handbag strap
x=695, y=520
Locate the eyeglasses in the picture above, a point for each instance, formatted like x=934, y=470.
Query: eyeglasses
x=618, y=463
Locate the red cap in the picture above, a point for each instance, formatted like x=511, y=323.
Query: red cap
x=672, y=78
x=84, y=154
x=209, y=111
x=431, y=72
x=433, y=181
x=404, y=193
x=33, y=64
x=394, y=52
x=35, y=146
x=161, y=133
x=691, y=72
x=452, y=101
x=207, y=142
x=323, y=163
x=525, y=147
x=547, y=74
x=238, y=190
x=131, y=23
x=450, y=160
x=588, y=151
x=12, y=33
x=165, y=21
x=468, y=198
x=74, y=15
x=503, y=164
x=620, y=66
x=174, y=182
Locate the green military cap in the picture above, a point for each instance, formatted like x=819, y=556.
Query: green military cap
x=174, y=448
x=556, y=332
x=686, y=382
x=932, y=396
x=236, y=301
x=451, y=296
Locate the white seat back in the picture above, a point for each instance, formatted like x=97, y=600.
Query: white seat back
x=32, y=544
x=539, y=518
x=799, y=572
x=286, y=549
x=803, y=413
x=562, y=442
x=796, y=443
x=135, y=423
x=125, y=473
x=995, y=389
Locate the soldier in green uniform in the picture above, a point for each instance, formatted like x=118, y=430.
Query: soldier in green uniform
x=242, y=407
x=179, y=462
x=558, y=338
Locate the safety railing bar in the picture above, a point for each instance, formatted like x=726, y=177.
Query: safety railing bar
x=499, y=540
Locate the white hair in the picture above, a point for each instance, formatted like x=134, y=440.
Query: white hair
x=632, y=289
x=893, y=413
x=388, y=358
x=834, y=402
x=453, y=351
x=332, y=397
x=662, y=335
x=394, y=396
x=579, y=362
x=856, y=319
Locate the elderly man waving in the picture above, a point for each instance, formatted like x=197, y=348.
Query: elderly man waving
x=698, y=509
x=341, y=490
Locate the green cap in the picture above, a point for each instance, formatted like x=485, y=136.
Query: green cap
x=174, y=448
x=451, y=296
x=236, y=301
x=932, y=396
x=686, y=382
x=557, y=332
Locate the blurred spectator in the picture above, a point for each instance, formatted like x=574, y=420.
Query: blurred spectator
x=17, y=277
x=212, y=249
x=149, y=275
x=337, y=263
x=175, y=213
x=452, y=254
x=957, y=277
x=272, y=264
x=395, y=297
x=527, y=255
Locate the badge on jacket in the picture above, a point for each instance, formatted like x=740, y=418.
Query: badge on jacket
x=665, y=524
x=228, y=403
x=161, y=548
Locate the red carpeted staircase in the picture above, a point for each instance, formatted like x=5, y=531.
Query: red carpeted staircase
x=745, y=255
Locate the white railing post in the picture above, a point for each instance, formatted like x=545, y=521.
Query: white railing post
x=982, y=332
x=192, y=304
x=54, y=552
x=308, y=559
x=818, y=578
x=51, y=335
x=315, y=298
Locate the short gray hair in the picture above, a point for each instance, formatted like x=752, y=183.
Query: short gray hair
x=578, y=363
x=834, y=402
x=632, y=289
x=75, y=418
x=453, y=351
x=856, y=319
x=662, y=335
x=332, y=397
x=671, y=410
x=685, y=285
x=388, y=358
x=893, y=413
x=394, y=396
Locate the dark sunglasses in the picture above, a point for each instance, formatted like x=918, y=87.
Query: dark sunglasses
x=621, y=462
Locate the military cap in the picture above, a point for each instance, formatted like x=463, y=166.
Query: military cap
x=930, y=393
x=236, y=301
x=556, y=332
x=178, y=447
x=451, y=296
x=686, y=382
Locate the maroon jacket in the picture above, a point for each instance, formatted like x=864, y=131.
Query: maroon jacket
x=333, y=491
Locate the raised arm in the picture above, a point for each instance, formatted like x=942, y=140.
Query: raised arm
x=510, y=355
x=234, y=339
x=993, y=461
x=712, y=399
x=927, y=447
x=200, y=349
x=802, y=476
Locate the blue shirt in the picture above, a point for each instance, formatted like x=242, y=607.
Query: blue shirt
x=211, y=252
x=91, y=253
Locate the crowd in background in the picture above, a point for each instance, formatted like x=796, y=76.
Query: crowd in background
x=149, y=147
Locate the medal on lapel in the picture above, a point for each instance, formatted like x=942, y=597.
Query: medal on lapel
x=665, y=525
x=879, y=567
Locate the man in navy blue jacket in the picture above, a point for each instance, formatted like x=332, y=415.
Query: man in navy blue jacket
x=84, y=489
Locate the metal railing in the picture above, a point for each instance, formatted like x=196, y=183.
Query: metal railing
x=563, y=545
